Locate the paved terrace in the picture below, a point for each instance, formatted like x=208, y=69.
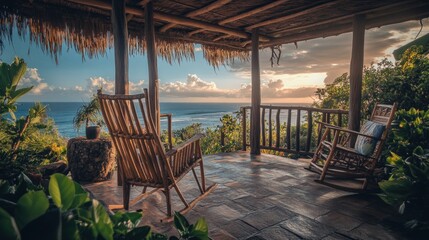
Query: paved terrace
x=266, y=197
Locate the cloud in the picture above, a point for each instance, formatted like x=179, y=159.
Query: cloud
x=331, y=56
x=32, y=78
x=276, y=89
x=108, y=86
x=193, y=87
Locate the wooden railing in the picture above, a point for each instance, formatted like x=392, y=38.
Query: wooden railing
x=279, y=132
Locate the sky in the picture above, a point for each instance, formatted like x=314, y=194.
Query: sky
x=300, y=72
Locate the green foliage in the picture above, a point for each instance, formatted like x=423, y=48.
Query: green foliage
x=229, y=131
x=28, y=141
x=408, y=185
x=89, y=112
x=10, y=75
x=406, y=82
x=65, y=211
x=412, y=131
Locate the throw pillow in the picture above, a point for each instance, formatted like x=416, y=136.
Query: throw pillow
x=366, y=145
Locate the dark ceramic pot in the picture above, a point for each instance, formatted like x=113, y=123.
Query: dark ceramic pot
x=92, y=132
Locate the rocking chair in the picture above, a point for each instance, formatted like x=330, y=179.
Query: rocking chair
x=348, y=156
x=143, y=160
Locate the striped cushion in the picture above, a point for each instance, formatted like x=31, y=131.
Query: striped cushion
x=366, y=145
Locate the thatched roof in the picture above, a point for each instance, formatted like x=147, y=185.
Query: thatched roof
x=422, y=41
x=222, y=27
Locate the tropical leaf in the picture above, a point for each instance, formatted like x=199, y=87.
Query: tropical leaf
x=17, y=70
x=103, y=223
x=62, y=191
x=30, y=206
x=15, y=95
x=8, y=226
x=181, y=224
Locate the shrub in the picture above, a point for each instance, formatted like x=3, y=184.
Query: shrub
x=67, y=212
x=408, y=185
x=28, y=141
x=406, y=82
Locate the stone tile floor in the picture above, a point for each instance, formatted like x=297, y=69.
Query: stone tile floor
x=266, y=197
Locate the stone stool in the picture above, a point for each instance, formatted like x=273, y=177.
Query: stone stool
x=90, y=160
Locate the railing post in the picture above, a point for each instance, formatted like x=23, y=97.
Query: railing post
x=288, y=137
x=298, y=128
x=309, y=129
x=243, y=123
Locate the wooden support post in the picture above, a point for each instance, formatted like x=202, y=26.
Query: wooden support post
x=152, y=65
x=120, y=37
x=356, y=69
x=255, y=126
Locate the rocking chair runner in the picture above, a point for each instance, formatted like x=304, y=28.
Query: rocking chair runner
x=336, y=156
x=143, y=160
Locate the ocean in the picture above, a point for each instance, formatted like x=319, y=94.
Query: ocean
x=184, y=114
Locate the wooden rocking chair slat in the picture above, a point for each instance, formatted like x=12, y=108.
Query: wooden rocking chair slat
x=336, y=158
x=143, y=160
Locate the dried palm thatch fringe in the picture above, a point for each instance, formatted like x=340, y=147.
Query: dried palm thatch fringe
x=217, y=56
x=90, y=35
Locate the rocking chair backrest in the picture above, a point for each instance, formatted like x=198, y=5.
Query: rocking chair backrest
x=383, y=114
x=142, y=156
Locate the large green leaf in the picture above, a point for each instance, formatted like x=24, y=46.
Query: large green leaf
x=124, y=221
x=395, y=191
x=15, y=95
x=102, y=221
x=8, y=227
x=200, y=230
x=181, y=224
x=17, y=71
x=30, y=206
x=62, y=191
x=4, y=78
x=70, y=230
x=80, y=197
x=142, y=233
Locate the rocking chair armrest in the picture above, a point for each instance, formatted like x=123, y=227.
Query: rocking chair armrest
x=191, y=140
x=169, y=128
x=350, y=131
x=326, y=124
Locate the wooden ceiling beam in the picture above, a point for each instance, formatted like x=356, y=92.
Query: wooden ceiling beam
x=171, y=18
x=200, y=11
x=143, y=2
x=411, y=14
x=293, y=15
x=252, y=12
x=220, y=38
x=195, y=32
x=397, y=7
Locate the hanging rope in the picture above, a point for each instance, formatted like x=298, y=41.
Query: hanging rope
x=276, y=53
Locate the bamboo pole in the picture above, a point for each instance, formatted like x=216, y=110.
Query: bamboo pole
x=356, y=68
x=152, y=67
x=120, y=35
x=255, y=128
x=294, y=15
x=200, y=11
x=252, y=12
